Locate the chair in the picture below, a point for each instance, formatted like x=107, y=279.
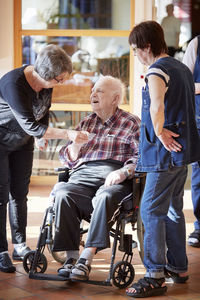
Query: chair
x=121, y=273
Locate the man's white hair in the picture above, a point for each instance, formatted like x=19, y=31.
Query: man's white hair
x=119, y=87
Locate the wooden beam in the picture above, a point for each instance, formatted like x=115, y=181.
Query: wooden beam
x=131, y=65
x=17, y=35
x=79, y=107
x=76, y=32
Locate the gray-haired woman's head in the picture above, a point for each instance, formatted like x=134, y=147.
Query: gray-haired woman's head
x=52, y=61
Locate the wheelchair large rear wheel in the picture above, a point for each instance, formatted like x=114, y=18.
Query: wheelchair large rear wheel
x=59, y=256
x=40, y=265
x=123, y=274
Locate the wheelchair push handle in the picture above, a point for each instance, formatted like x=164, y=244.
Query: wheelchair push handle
x=60, y=169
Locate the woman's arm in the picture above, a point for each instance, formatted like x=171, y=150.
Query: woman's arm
x=78, y=137
x=197, y=88
x=189, y=59
x=157, y=90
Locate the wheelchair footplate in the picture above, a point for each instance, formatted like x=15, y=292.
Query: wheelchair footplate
x=43, y=276
x=121, y=274
x=55, y=277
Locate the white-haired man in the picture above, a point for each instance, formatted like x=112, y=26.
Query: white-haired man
x=98, y=180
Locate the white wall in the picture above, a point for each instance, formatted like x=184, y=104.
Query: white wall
x=144, y=10
x=6, y=36
x=121, y=14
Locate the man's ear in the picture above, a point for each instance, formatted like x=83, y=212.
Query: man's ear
x=115, y=100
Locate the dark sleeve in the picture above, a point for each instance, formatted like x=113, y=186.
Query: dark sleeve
x=20, y=103
x=45, y=119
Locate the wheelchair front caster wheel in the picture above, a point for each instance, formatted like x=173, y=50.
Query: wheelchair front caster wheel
x=35, y=261
x=123, y=274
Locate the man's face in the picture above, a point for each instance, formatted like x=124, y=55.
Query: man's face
x=102, y=96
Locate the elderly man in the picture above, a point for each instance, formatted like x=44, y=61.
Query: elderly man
x=98, y=180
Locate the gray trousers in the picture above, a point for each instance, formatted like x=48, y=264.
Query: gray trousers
x=84, y=197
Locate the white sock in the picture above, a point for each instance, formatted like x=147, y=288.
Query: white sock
x=88, y=255
x=72, y=254
x=21, y=245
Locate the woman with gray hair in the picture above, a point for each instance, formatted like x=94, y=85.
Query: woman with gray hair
x=25, y=100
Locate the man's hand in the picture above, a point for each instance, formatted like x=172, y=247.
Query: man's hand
x=115, y=177
x=167, y=139
x=79, y=137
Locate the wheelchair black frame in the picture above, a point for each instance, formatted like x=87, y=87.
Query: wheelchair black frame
x=36, y=257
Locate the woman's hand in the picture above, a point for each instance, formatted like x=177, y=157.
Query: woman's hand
x=78, y=137
x=167, y=139
x=41, y=144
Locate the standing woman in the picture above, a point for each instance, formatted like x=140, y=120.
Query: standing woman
x=25, y=99
x=169, y=141
x=192, y=60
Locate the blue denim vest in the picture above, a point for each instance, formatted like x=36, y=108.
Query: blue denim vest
x=196, y=75
x=179, y=118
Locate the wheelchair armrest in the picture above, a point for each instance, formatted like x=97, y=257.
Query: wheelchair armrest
x=140, y=175
x=63, y=173
x=60, y=169
x=138, y=188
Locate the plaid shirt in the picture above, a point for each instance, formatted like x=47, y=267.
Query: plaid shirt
x=116, y=139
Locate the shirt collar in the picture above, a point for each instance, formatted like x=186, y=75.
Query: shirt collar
x=113, y=118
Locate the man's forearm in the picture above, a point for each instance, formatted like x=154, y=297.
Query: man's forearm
x=129, y=170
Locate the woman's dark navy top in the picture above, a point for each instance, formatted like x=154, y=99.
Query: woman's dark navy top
x=196, y=75
x=179, y=114
x=23, y=112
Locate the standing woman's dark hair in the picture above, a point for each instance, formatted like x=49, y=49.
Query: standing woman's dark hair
x=52, y=61
x=149, y=33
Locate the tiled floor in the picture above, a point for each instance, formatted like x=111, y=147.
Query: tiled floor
x=19, y=286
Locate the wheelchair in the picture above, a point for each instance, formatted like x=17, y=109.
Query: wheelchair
x=121, y=274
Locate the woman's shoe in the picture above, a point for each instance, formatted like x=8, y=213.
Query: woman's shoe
x=147, y=287
x=194, y=238
x=6, y=263
x=19, y=253
x=174, y=277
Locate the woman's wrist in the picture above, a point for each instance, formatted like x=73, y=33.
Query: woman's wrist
x=66, y=134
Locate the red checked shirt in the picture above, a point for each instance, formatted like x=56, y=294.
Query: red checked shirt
x=116, y=139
